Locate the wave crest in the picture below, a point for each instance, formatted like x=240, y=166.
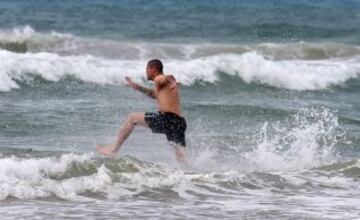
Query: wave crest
x=26, y=39
x=49, y=177
x=250, y=67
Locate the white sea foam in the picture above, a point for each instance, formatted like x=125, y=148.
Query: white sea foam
x=26, y=178
x=17, y=34
x=28, y=34
x=262, y=63
x=31, y=178
x=36, y=41
x=250, y=67
x=308, y=143
x=305, y=140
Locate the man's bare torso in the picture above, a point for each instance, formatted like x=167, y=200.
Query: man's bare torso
x=167, y=95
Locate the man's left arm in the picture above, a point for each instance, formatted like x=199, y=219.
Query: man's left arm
x=163, y=80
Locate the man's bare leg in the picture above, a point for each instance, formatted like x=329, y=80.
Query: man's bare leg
x=181, y=155
x=131, y=121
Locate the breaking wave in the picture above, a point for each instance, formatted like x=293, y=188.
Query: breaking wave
x=281, y=158
x=251, y=67
x=26, y=39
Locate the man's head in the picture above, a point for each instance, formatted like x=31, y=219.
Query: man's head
x=154, y=68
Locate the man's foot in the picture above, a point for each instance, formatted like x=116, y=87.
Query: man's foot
x=109, y=151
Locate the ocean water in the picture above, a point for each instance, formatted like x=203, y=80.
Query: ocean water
x=270, y=90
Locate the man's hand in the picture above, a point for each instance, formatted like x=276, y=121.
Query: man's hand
x=131, y=83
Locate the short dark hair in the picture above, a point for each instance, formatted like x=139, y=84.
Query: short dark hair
x=157, y=64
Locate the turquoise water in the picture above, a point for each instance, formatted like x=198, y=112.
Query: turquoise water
x=191, y=21
x=270, y=91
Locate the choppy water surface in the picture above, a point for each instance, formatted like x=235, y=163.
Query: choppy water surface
x=270, y=90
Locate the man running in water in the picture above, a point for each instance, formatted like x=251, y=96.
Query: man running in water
x=168, y=120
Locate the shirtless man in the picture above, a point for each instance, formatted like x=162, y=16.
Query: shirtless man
x=168, y=120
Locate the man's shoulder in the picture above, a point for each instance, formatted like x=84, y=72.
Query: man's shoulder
x=159, y=78
x=163, y=80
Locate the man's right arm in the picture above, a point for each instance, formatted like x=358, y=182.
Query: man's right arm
x=146, y=91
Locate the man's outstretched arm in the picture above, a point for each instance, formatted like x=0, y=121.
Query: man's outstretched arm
x=146, y=91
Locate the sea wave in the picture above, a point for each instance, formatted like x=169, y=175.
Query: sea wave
x=26, y=39
x=308, y=140
x=282, y=157
x=84, y=177
x=250, y=67
x=34, y=177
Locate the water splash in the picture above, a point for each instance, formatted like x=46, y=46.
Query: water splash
x=308, y=140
